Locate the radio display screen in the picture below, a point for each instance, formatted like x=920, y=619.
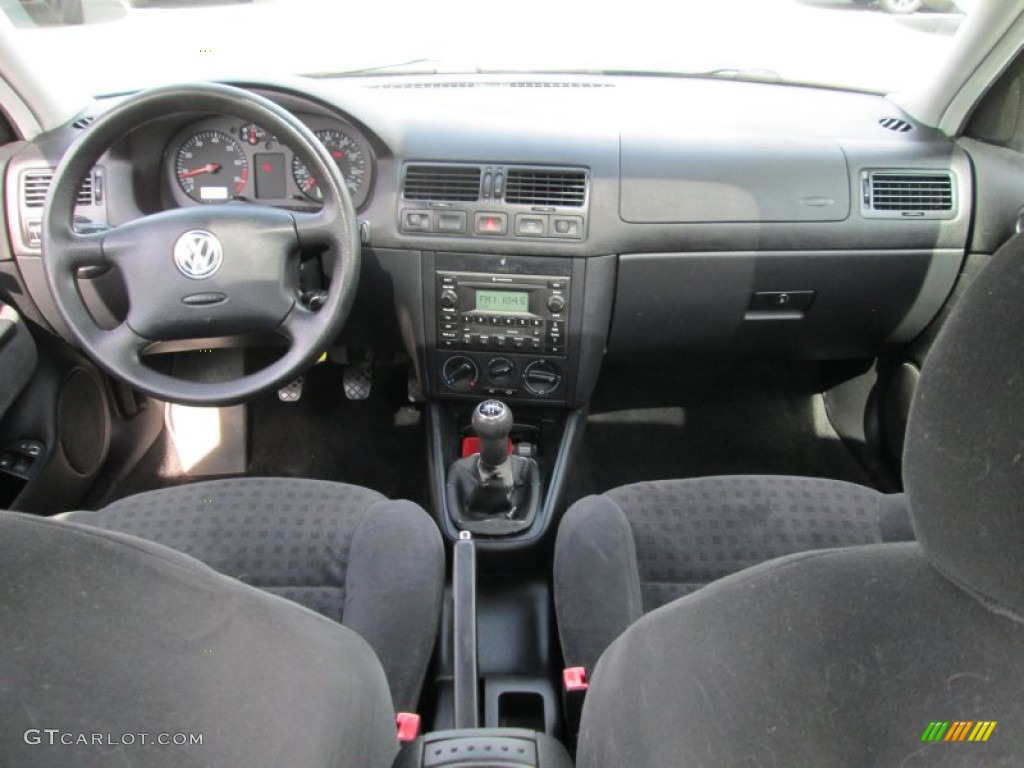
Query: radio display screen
x=502, y=301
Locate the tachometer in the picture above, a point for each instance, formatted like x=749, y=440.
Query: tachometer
x=346, y=153
x=211, y=167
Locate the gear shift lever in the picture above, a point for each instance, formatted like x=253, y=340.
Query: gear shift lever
x=492, y=422
x=493, y=493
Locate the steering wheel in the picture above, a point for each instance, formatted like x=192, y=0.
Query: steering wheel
x=205, y=271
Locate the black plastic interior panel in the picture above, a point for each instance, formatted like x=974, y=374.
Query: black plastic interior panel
x=861, y=301
x=695, y=179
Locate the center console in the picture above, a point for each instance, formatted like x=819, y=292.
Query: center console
x=528, y=331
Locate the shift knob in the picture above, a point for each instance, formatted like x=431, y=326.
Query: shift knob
x=492, y=422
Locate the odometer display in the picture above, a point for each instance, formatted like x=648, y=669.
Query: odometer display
x=211, y=167
x=347, y=154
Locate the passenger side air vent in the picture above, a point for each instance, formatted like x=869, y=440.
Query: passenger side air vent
x=543, y=187
x=908, y=194
x=35, y=185
x=895, y=124
x=443, y=183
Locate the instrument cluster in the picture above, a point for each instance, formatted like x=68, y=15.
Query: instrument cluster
x=220, y=159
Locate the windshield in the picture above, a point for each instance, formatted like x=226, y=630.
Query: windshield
x=112, y=46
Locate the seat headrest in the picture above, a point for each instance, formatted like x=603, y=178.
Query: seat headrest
x=964, y=456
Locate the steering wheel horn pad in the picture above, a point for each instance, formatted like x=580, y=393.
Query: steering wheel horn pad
x=237, y=256
x=208, y=271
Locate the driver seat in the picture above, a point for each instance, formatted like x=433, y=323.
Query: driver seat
x=346, y=552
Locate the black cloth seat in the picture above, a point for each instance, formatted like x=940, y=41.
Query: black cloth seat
x=851, y=656
x=631, y=550
x=346, y=552
x=119, y=651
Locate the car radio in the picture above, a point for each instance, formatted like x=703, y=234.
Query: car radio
x=513, y=313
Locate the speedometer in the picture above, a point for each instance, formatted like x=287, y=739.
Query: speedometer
x=346, y=153
x=211, y=167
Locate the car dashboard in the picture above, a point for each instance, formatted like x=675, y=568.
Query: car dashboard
x=519, y=230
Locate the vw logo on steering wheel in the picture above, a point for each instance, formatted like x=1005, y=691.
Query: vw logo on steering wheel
x=198, y=254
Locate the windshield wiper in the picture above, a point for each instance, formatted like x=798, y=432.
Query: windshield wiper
x=409, y=67
x=723, y=73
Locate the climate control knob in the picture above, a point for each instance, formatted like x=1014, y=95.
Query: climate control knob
x=501, y=372
x=541, y=378
x=460, y=374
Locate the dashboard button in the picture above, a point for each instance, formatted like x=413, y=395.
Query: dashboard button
x=567, y=226
x=417, y=221
x=491, y=224
x=452, y=222
x=531, y=226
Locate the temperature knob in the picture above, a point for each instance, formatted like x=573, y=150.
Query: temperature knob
x=541, y=378
x=460, y=374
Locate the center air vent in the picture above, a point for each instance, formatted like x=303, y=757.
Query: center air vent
x=920, y=194
x=35, y=185
x=443, y=183
x=542, y=187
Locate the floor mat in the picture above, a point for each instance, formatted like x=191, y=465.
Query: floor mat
x=718, y=419
x=379, y=442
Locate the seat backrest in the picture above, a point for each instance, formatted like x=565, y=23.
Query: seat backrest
x=107, y=637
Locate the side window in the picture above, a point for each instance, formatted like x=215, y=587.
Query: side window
x=999, y=118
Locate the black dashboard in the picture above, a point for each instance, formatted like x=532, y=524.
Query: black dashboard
x=518, y=230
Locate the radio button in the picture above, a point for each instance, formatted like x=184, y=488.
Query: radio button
x=449, y=299
x=556, y=304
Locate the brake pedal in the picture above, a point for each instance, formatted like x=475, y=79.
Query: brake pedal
x=292, y=392
x=358, y=381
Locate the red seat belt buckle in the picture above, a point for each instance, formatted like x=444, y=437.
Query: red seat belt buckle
x=408, y=726
x=575, y=679
x=574, y=685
